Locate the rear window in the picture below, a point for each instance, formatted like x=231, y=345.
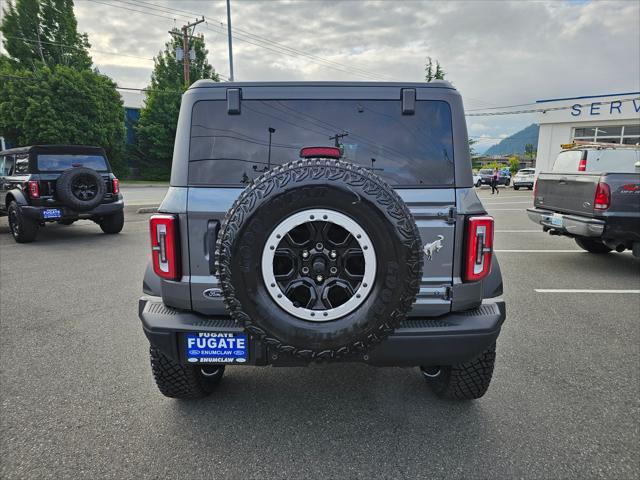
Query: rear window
x=60, y=162
x=409, y=150
x=486, y=171
x=526, y=172
x=568, y=161
x=612, y=161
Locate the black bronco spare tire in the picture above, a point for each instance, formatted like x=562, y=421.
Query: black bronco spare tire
x=80, y=188
x=319, y=259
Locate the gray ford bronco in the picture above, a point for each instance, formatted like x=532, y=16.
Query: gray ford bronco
x=322, y=222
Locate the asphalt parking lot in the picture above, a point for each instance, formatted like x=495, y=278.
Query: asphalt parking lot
x=78, y=398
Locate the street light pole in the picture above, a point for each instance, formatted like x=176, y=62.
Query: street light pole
x=230, y=41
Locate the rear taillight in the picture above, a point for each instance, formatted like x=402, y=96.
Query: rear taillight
x=164, y=246
x=478, y=248
x=34, y=189
x=602, y=199
x=535, y=189
x=582, y=166
x=116, y=186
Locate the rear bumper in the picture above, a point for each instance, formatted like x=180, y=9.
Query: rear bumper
x=518, y=183
x=572, y=225
x=104, y=209
x=445, y=340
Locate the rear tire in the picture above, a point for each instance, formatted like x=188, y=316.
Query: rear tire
x=464, y=381
x=183, y=381
x=23, y=229
x=592, y=246
x=478, y=184
x=113, y=223
x=516, y=188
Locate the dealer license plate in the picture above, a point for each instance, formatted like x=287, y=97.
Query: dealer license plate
x=216, y=347
x=50, y=213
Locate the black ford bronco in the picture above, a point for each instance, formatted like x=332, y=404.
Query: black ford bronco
x=322, y=222
x=58, y=183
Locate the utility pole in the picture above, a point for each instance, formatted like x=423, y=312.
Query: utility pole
x=230, y=41
x=185, y=48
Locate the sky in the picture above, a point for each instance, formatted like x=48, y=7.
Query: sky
x=495, y=52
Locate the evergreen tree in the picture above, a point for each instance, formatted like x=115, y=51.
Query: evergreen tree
x=156, y=129
x=428, y=70
x=44, y=32
x=439, y=74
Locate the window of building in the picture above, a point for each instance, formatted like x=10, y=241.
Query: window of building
x=626, y=134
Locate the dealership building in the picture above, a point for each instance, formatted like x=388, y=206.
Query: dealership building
x=612, y=118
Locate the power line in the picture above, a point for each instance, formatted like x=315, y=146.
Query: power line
x=262, y=42
x=537, y=110
x=273, y=43
x=75, y=47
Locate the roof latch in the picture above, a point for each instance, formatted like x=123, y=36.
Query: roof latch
x=408, y=96
x=233, y=100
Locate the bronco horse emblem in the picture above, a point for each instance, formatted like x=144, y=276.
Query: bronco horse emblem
x=433, y=247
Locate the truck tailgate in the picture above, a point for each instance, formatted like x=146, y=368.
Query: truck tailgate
x=566, y=192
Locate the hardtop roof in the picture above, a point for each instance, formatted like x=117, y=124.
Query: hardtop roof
x=208, y=83
x=55, y=148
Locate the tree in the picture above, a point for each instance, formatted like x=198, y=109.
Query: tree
x=61, y=105
x=530, y=151
x=514, y=164
x=433, y=71
x=472, y=142
x=44, y=33
x=156, y=128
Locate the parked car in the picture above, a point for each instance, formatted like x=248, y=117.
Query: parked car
x=593, y=196
x=477, y=180
x=320, y=259
x=58, y=183
x=486, y=177
x=524, y=178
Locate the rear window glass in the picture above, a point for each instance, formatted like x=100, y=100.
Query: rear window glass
x=612, y=161
x=568, y=161
x=526, y=172
x=21, y=165
x=60, y=162
x=404, y=149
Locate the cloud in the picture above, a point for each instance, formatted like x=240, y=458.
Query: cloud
x=495, y=52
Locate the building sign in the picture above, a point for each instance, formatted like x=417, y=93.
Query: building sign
x=614, y=107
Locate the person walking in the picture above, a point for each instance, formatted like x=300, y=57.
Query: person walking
x=494, y=181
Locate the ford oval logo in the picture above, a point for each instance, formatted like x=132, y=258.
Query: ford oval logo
x=212, y=293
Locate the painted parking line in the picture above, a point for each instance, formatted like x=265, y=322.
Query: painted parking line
x=508, y=210
x=581, y=290
x=519, y=231
x=539, y=251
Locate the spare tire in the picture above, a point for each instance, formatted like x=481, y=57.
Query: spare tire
x=80, y=188
x=319, y=259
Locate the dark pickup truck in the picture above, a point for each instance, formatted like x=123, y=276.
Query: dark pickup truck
x=593, y=196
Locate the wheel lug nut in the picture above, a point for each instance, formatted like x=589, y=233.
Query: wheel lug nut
x=319, y=246
x=305, y=270
x=305, y=254
x=333, y=254
x=333, y=270
x=319, y=278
